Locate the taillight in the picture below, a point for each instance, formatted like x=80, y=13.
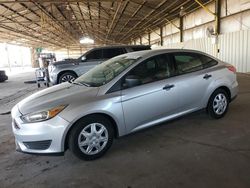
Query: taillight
x=232, y=68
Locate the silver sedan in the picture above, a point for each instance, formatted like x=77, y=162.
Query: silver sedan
x=122, y=95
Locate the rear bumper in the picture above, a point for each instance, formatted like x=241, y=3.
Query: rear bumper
x=234, y=90
x=233, y=98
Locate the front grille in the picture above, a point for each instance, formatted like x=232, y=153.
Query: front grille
x=38, y=145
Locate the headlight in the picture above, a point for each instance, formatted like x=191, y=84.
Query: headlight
x=42, y=116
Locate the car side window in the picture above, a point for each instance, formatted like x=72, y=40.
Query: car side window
x=95, y=54
x=207, y=61
x=109, y=53
x=141, y=48
x=153, y=69
x=187, y=62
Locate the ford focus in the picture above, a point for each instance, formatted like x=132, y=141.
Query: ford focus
x=125, y=94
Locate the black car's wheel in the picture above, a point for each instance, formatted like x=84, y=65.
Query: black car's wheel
x=218, y=104
x=67, y=76
x=91, y=137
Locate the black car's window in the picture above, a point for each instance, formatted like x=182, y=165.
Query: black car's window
x=153, y=69
x=141, y=48
x=95, y=54
x=187, y=62
x=106, y=71
x=207, y=61
x=109, y=53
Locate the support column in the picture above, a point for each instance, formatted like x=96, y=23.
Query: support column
x=161, y=36
x=34, y=59
x=217, y=16
x=8, y=55
x=149, y=39
x=81, y=50
x=181, y=29
x=140, y=40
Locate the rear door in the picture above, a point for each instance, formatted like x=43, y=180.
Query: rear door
x=156, y=97
x=194, y=78
x=109, y=53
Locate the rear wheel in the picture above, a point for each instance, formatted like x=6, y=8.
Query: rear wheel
x=67, y=76
x=218, y=104
x=91, y=137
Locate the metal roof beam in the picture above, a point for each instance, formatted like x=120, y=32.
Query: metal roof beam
x=149, y=14
x=114, y=17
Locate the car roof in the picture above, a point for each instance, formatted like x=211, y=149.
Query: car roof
x=149, y=53
x=122, y=46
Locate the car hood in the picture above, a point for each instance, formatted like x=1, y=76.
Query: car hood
x=62, y=94
x=65, y=62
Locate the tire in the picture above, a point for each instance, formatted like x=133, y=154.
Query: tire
x=218, y=104
x=82, y=133
x=67, y=76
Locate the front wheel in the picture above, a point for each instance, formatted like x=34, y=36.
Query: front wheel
x=67, y=77
x=218, y=104
x=91, y=137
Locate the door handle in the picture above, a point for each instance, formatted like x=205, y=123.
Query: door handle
x=207, y=76
x=168, y=87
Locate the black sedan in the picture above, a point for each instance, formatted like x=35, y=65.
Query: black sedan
x=3, y=76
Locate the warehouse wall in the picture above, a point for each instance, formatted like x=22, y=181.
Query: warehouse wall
x=13, y=56
x=233, y=42
x=234, y=48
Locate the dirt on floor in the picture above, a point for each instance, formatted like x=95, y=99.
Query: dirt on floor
x=193, y=151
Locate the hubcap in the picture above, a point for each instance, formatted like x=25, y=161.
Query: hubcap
x=93, y=138
x=220, y=104
x=67, y=78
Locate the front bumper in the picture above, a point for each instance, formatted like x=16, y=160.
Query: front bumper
x=40, y=138
x=3, y=78
x=53, y=77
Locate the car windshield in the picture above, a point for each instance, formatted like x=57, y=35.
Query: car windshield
x=105, y=72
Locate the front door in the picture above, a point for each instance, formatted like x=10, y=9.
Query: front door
x=93, y=58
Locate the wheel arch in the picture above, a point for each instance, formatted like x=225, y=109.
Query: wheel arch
x=64, y=71
x=225, y=88
x=66, y=140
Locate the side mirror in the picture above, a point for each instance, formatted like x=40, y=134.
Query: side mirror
x=83, y=58
x=131, y=81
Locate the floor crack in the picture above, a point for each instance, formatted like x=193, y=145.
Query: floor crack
x=231, y=150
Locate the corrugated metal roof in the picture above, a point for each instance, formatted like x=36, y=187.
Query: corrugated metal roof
x=62, y=23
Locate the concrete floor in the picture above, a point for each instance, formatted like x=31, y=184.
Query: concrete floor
x=193, y=151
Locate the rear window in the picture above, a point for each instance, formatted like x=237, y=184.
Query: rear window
x=186, y=63
x=207, y=61
x=190, y=62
